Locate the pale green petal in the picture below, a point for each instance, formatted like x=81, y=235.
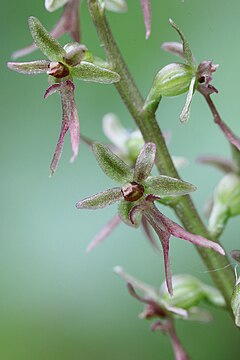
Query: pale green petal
x=87, y=71
x=144, y=162
x=184, y=116
x=167, y=186
x=101, y=199
x=112, y=165
x=30, y=68
x=45, y=42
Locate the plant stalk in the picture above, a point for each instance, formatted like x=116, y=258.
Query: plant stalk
x=145, y=119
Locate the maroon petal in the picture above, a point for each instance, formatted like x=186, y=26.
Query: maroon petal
x=179, y=232
x=147, y=16
x=149, y=234
x=74, y=126
x=59, y=147
x=69, y=120
x=104, y=233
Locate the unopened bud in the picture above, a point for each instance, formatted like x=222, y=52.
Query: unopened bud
x=226, y=202
x=174, y=79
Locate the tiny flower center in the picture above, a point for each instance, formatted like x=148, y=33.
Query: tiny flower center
x=132, y=191
x=58, y=70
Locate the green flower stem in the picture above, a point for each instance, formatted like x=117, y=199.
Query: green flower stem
x=146, y=121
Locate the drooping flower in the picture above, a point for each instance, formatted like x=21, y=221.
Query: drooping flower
x=136, y=195
x=63, y=64
x=188, y=293
x=68, y=23
x=176, y=78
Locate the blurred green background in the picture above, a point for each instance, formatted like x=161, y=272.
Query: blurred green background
x=57, y=302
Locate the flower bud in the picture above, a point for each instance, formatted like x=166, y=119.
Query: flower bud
x=174, y=79
x=226, y=202
x=187, y=292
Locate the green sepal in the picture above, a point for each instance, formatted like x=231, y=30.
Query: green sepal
x=186, y=48
x=167, y=186
x=112, y=165
x=144, y=162
x=124, y=209
x=100, y=200
x=45, y=42
x=29, y=68
x=87, y=71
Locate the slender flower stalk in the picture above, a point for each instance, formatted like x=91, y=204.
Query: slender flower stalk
x=145, y=120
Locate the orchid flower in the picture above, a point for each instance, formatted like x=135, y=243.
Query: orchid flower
x=176, y=78
x=62, y=65
x=127, y=145
x=136, y=195
x=188, y=293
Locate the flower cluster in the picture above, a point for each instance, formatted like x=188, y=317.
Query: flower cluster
x=188, y=293
x=63, y=64
x=136, y=197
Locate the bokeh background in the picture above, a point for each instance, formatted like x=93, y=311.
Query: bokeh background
x=57, y=302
